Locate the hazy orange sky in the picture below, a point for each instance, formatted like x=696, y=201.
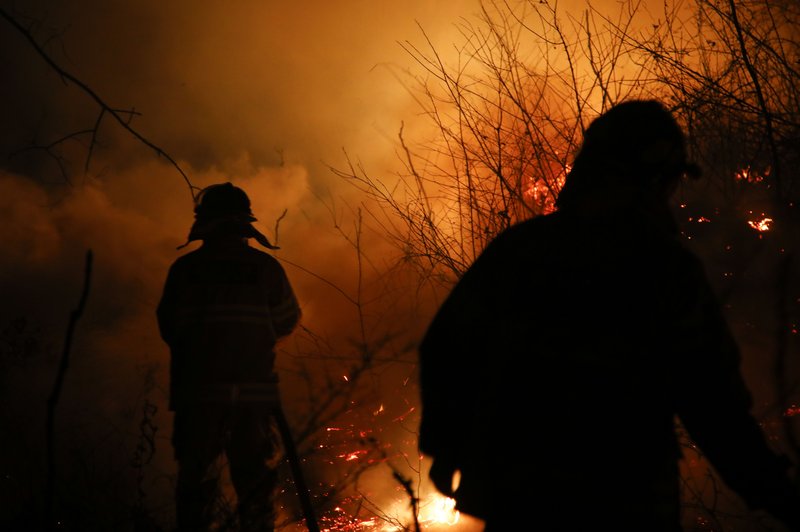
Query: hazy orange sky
x=266, y=94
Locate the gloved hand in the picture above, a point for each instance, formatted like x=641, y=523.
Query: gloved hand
x=441, y=474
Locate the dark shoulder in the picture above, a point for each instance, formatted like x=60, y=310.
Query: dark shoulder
x=186, y=260
x=536, y=226
x=522, y=234
x=240, y=254
x=263, y=258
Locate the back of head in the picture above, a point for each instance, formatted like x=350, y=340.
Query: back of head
x=222, y=201
x=223, y=211
x=631, y=152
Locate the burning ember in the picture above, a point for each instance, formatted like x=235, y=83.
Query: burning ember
x=748, y=175
x=793, y=410
x=355, y=455
x=761, y=225
x=440, y=510
x=435, y=512
x=390, y=508
x=542, y=192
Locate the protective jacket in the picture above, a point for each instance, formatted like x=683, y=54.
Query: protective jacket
x=223, y=308
x=553, y=373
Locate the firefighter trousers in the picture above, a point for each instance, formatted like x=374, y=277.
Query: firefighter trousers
x=206, y=433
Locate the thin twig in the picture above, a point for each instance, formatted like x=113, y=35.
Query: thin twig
x=52, y=401
x=117, y=115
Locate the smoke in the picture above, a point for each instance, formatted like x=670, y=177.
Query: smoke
x=263, y=94
x=133, y=220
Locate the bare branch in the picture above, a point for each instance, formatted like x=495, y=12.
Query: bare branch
x=105, y=108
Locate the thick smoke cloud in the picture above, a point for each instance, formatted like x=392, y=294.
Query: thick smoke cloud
x=263, y=94
x=266, y=95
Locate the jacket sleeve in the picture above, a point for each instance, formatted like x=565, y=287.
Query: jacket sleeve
x=714, y=405
x=166, y=310
x=284, y=308
x=452, y=353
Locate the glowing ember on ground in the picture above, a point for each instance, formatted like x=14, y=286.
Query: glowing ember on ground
x=435, y=512
x=760, y=225
x=793, y=410
x=747, y=174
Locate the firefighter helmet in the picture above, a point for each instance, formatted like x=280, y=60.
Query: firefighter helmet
x=636, y=144
x=222, y=200
x=224, y=209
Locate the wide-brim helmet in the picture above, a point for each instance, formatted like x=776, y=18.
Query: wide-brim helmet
x=222, y=201
x=224, y=209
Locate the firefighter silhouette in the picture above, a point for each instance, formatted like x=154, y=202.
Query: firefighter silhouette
x=552, y=375
x=223, y=308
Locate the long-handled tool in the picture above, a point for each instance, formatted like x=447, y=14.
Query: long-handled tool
x=297, y=471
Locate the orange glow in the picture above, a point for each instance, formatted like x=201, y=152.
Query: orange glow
x=543, y=192
x=408, y=412
x=761, y=225
x=435, y=512
x=131, y=209
x=439, y=510
x=349, y=457
x=749, y=176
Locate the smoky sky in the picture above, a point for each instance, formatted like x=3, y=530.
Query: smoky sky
x=264, y=94
x=213, y=80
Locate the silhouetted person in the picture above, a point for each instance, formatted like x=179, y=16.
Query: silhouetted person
x=553, y=373
x=224, y=307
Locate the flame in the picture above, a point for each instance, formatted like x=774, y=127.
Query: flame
x=793, y=410
x=761, y=225
x=749, y=176
x=435, y=511
x=349, y=457
x=439, y=510
x=541, y=191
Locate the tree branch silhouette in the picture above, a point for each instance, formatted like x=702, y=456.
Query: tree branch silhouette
x=105, y=108
x=52, y=401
